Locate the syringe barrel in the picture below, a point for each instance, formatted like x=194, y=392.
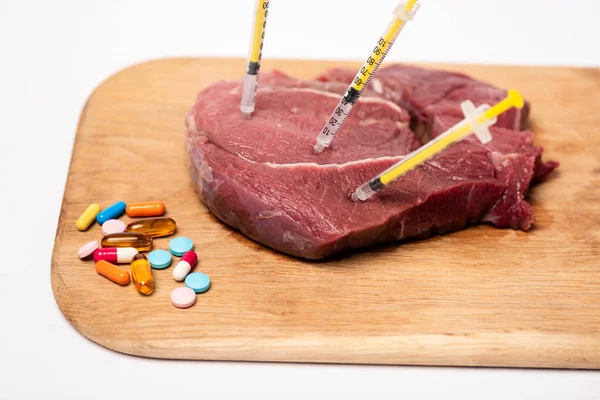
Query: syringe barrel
x=367, y=189
x=249, y=94
x=254, y=56
x=336, y=119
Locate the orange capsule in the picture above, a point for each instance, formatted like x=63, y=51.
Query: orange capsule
x=112, y=272
x=146, y=209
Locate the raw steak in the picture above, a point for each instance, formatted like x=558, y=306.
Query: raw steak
x=261, y=177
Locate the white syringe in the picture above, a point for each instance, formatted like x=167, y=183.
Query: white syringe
x=404, y=12
x=254, y=57
x=477, y=120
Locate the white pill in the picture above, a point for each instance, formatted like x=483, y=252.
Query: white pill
x=184, y=266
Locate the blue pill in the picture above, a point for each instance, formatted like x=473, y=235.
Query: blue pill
x=159, y=259
x=198, y=282
x=112, y=212
x=180, y=245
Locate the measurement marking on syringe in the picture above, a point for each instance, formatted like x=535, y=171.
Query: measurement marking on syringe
x=403, y=13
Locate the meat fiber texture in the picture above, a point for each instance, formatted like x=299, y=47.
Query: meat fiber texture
x=261, y=177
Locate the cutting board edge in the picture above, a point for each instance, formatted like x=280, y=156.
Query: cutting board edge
x=60, y=290
x=229, y=350
x=277, y=351
x=266, y=66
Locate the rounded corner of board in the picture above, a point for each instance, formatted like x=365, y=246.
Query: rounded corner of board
x=61, y=296
x=81, y=327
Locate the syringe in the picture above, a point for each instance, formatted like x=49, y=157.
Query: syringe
x=403, y=12
x=254, y=57
x=477, y=120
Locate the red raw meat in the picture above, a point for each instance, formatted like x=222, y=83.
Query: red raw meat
x=261, y=177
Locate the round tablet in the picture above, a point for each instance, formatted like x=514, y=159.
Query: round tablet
x=113, y=226
x=180, y=245
x=198, y=282
x=159, y=259
x=87, y=249
x=183, y=297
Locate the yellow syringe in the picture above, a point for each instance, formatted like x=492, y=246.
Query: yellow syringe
x=477, y=120
x=253, y=65
x=404, y=12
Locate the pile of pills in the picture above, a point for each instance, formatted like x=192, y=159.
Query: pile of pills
x=124, y=244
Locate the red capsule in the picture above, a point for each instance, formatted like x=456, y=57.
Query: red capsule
x=115, y=255
x=185, y=265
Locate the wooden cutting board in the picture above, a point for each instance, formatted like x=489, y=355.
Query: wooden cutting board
x=478, y=297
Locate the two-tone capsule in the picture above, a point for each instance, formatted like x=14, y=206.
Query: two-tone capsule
x=184, y=266
x=142, y=274
x=112, y=272
x=146, y=209
x=139, y=241
x=88, y=217
x=112, y=212
x=115, y=255
x=157, y=227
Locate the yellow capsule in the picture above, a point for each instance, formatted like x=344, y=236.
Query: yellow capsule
x=141, y=273
x=156, y=227
x=88, y=217
x=139, y=241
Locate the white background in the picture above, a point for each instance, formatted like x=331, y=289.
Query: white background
x=54, y=53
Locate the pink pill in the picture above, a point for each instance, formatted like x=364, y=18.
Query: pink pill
x=87, y=249
x=183, y=297
x=113, y=226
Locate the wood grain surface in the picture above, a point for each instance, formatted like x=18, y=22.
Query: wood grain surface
x=479, y=297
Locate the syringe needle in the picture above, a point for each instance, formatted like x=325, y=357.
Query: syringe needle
x=403, y=13
x=253, y=65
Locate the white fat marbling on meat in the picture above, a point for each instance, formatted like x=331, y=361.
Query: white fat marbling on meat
x=269, y=214
x=312, y=164
x=236, y=90
x=367, y=122
x=190, y=123
x=502, y=161
x=458, y=178
x=375, y=100
x=402, y=226
x=377, y=86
